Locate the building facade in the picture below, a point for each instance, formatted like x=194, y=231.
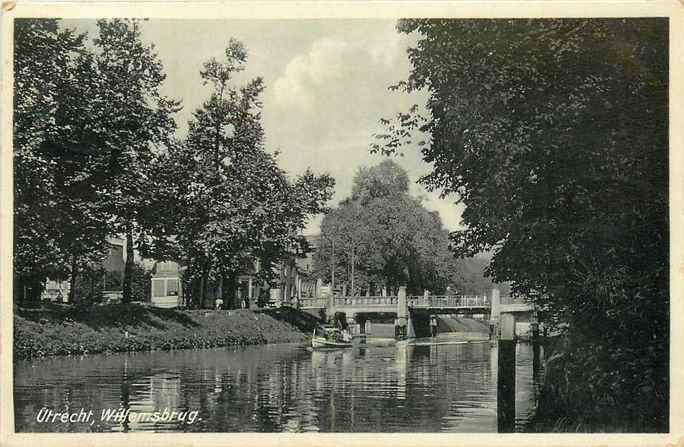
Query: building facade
x=295, y=279
x=58, y=290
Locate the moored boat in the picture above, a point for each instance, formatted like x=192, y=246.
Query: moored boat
x=331, y=338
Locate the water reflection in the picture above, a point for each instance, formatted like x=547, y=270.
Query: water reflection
x=280, y=388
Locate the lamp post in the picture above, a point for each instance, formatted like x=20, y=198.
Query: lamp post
x=331, y=298
x=331, y=263
x=332, y=278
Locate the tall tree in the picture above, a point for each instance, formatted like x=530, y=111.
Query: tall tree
x=232, y=204
x=137, y=121
x=352, y=241
x=385, y=237
x=553, y=133
x=59, y=221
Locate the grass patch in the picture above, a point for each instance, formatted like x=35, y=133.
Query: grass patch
x=68, y=330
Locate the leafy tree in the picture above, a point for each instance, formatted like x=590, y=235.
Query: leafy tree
x=469, y=277
x=553, y=133
x=86, y=123
x=59, y=222
x=141, y=283
x=228, y=203
x=385, y=180
x=137, y=120
x=352, y=241
x=385, y=237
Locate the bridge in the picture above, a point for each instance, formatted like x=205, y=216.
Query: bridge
x=389, y=304
x=438, y=303
x=409, y=307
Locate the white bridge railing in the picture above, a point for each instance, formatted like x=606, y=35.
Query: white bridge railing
x=366, y=301
x=313, y=302
x=448, y=301
x=436, y=301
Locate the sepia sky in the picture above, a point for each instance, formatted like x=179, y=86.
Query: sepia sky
x=326, y=88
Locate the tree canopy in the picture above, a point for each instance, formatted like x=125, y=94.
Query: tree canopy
x=95, y=155
x=554, y=134
x=138, y=121
x=59, y=222
x=87, y=118
x=228, y=202
x=386, y=238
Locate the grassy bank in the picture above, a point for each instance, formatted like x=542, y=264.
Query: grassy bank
x=66, y=330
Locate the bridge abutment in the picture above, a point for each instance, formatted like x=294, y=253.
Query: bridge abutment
x=403, y=323
x=496, y=305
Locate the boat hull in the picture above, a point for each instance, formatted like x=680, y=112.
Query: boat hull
x=322, y=343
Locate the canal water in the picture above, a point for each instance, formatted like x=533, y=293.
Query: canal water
x=429, y=387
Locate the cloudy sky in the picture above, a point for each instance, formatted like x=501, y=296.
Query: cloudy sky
x=326, y=88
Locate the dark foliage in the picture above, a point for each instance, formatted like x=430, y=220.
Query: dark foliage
x=554, y=134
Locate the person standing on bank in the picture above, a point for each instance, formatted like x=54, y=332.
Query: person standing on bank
x=433, y=326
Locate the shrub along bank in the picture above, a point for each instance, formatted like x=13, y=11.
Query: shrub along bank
x=65, y=330
x=566, y=406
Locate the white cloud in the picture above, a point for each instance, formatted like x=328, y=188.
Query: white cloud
x=326, y=88
x=325, y=106
x=339, y=73
x=326, y=62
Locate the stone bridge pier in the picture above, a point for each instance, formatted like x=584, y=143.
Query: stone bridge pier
x=403, y=324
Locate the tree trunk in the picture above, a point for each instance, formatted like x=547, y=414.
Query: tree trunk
x=203, y=290
x=190, y=293
x=231, y=290
x=128, y=268
x=38, y=286
x=72, y=280
x=219, y=291
x=353, y=261
x=186, y=288
x=332, y=280
x=197, y=292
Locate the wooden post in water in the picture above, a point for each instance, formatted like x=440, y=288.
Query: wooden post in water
x=361, y=321
x=505, y=393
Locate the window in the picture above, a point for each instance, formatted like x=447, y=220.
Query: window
x=158, y=288
x=172, y=287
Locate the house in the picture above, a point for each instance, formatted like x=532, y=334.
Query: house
x=166, y=285
x=295, y=280
x=57, y=290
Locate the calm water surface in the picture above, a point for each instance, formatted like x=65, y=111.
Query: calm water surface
x=429, y=387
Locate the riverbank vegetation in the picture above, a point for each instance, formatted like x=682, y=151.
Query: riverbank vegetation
x=73, y=330
x=554, y=135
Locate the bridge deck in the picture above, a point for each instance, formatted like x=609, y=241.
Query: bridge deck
x=389, y=303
